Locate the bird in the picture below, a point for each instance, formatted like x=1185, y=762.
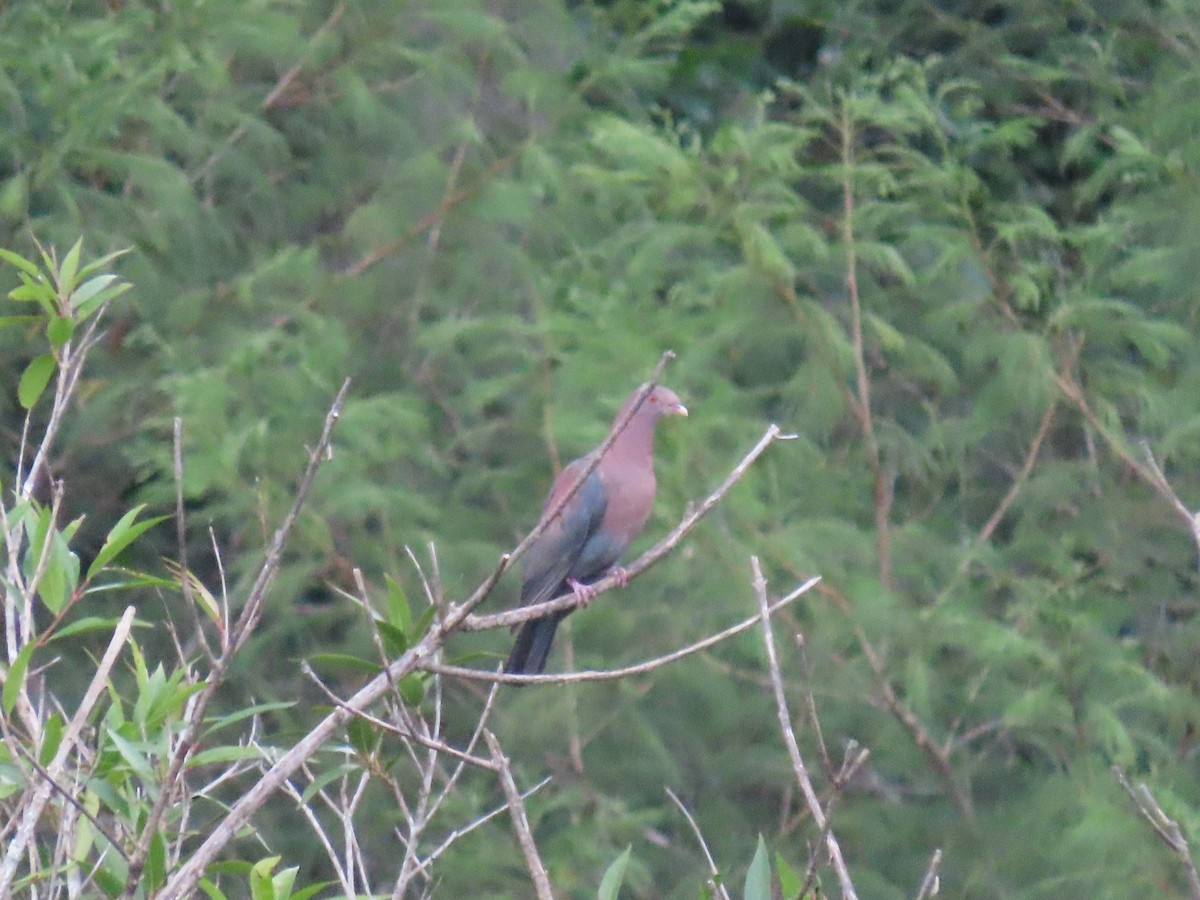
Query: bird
x=595, y=527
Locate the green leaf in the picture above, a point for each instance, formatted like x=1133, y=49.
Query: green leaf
x=345, y=661
x=85, y=308
x=412, y=689
x=213, y=892
x=51, y=738
x=124, y=533
x=364, y=736
x=261, y=885
x=156, y=862
x=758, y=878
x=789, y=881
x=610, y=884
x=59, y=330
x=398, y=610
x=102, y=261
x=87, y=624
x=6, y=321
x=134, y=757
x=325, y=778
x=91, y=288
x=225, y=721
x=394, y=640
x=28, y=267
x=34, y=380
x=69, y=267
x=16, y=677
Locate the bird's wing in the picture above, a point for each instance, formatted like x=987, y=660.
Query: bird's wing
x=550, y=558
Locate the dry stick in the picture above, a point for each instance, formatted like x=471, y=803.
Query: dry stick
x=41, y=794
x=883, y=487
x=271, y=99
x=715, y=882
x=638, y=669
x=789, y=737
x=930, y=884
x=240, y=634
x=516, y=808
x=1165, y=827
x=467, y=829
x=184, y=879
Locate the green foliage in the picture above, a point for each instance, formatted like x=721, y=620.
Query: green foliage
x=495, y=219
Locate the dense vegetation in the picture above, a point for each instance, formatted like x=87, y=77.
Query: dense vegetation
x=952, y=245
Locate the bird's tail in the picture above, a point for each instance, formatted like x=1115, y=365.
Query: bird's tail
x=529, y=653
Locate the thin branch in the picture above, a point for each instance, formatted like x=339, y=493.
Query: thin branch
x=1164, y=826
x=638, y=669
x=789, y=737
x=405, y=733
x=520, y=819
x=1168, y=493
x=471, y=826
x=931, y=884
x=714, y=883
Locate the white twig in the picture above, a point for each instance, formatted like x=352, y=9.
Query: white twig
x=1164, y=826
x=789, y=737
x=638, y=669
x=714, y=883
x=520, y=819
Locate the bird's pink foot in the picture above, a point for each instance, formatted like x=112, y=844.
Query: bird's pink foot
x=621, y=574
x=585, y=593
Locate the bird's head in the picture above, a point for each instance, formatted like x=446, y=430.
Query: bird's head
x=662, y=401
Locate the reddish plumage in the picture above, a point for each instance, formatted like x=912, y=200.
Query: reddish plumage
x=595, y=527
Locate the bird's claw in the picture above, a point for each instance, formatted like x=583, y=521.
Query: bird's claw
x=584, y=593
x=621, y=575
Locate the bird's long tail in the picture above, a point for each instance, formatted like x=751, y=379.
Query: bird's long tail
x=529, y=653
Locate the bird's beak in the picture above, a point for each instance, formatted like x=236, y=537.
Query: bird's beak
x=679, y=410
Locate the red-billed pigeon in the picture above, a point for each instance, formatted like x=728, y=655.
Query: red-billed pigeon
x=595, y=526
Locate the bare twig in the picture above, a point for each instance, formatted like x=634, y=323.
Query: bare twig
x=520, y=819
x=789, y=737
x=638, y=669
x=931, y=884
x=714, y=883
x=468, y=828
x=1159, y=480
x=1164, y=826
